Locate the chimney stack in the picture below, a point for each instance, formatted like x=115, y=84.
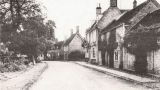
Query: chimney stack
x=98, y=9
x=134, y=4
x=77, y=28
x=113, y=3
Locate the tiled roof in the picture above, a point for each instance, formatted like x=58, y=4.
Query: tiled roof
x=126, y=18
x=60, y=43
x=108, y=16
x=69, y=40
x=124, y=10
x=92, y=27
x=152, y=20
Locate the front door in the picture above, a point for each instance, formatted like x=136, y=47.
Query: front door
x=106, y=58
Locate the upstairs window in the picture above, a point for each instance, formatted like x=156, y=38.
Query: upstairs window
x=102, y=38
x=107, y=37
x=93, y=53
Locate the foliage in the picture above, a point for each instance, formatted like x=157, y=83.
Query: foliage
x=76, y=55
x=23, y=27
x=109, y=46
x=13, y=12
x=140, y=42
x=17, y=65
x=50, y=29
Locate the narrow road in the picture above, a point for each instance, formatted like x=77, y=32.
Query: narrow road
x=70, y=76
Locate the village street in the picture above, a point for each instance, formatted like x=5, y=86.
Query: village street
x=71, y=76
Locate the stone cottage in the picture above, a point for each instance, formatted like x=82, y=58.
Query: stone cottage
x=151, y=23
x=116, y=55
x=92, y=34
x=73, y=43
x=57, y=52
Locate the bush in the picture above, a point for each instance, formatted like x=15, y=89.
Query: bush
x=76, y=55
x=140, y=64
x=14, y=65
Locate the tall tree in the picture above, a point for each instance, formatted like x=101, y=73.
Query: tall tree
x=15, y=11
x=50, y=29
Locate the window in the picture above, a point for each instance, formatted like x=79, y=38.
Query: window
x=102, y=37
x=158, y=40
x=116, y=55
x=93, y=53
x=87, y=50
x=107, y=37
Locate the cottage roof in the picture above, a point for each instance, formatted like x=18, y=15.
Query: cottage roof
x=124, y=10
x=108, y=16
x=60, y=43
x=92, y=27
x=127, y=17
x=152, y=20
x=67, y=42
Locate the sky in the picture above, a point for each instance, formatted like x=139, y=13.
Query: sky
x=68, y=14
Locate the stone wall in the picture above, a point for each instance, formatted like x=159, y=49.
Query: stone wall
x=153, y=60
x=128, y=61
x=76, y=44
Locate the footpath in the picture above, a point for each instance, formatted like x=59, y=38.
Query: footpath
x=148, y=82
x=24, y=80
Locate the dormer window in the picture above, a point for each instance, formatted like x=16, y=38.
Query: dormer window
x=158, y=40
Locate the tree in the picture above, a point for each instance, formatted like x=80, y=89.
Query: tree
x=23, y=27
x=50, y=29
x=14, y=12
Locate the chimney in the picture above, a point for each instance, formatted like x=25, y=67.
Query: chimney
x=71, y=31
x=134, y=4
x=113, y=3
x=77, y=28
x=98, y=9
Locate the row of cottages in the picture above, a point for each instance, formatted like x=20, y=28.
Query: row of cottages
x=93, y=54
x=57, y=53
x=111, y=37
x=117, y=56
x=63, y=49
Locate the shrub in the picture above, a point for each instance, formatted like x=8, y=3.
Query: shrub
x=76, y=55
x=11, y=65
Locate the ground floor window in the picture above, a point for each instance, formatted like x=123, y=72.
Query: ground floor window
x=93, y=53
x=116, y=55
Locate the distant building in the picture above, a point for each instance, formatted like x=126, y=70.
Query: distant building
x=73, y=43
x=57, y=52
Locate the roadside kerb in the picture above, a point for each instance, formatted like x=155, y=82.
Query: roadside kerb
x=119, y=76
x=25, y=80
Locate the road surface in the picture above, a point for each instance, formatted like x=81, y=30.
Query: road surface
x=70, y=76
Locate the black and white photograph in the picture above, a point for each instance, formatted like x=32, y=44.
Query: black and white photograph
x=79, y=44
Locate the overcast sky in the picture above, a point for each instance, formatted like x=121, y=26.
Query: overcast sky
x=68, y=14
